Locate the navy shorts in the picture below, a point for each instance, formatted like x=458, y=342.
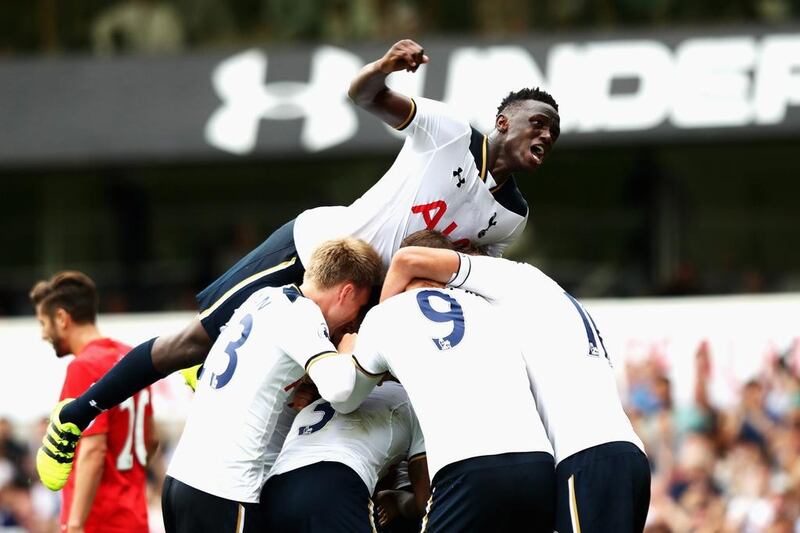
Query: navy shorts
x=273, y=263
x=603, y=488
x=510, y=492
x=326, y=497
x=188, y=510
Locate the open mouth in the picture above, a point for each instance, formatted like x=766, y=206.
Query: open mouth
x=537, y=151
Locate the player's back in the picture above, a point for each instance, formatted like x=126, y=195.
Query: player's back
x=465, y=377
x=569, y=367
x=377, y=435
x=241, y=394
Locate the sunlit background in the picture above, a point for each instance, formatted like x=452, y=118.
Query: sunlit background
x=152, y=143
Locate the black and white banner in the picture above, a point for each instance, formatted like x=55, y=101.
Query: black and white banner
x=618, y=89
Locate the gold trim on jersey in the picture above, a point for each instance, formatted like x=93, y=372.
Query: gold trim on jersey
x=417, y=457
x=314, y=358
x=497, y=187
x=411, y=114
x=240, y=519
x=371, y=508
x=247, y=281
x=573, y=505
x=427, y=512
x=364, y=370
x=484, y=153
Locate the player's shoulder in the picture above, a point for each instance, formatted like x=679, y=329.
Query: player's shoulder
x=98, y=356
x=278, y=299
x=431, y=107
x=392, y=394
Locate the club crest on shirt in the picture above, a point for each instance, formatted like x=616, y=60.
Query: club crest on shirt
x=482, y=233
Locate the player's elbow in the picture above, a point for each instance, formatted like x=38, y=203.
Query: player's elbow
x=334, y=377
x=336, y=396
x=345, y=405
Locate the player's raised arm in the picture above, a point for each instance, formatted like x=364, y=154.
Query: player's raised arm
x=419, y=262
x=369, y=91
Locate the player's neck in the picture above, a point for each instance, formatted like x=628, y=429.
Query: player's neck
x=495, y=162
x=81, y=336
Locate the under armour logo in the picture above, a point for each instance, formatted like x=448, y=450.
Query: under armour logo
x=457, y=174
x=482, y=232
x=246, y=100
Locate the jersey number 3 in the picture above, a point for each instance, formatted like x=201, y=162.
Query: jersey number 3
x=454, y=315
x=220, y=380
x=327, y=413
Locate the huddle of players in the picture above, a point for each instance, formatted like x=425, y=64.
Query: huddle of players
x=453, y=351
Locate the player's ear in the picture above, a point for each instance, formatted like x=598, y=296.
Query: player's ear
x=501, y=123
x=61, y=319
x=347, y=291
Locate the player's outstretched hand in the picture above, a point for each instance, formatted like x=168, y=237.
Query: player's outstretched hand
x=403, y=55
x=54, y=458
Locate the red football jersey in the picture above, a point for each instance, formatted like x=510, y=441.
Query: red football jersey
x=120, y=505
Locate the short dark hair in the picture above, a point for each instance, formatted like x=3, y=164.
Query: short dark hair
x=72, y=291
x=429, y=239
x=540, y=95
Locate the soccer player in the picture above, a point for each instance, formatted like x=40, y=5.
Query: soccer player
x=490, y=461
x=602, y=473
x=224, y=454
x=106, y=492
x=447, y=176
x=331, y=462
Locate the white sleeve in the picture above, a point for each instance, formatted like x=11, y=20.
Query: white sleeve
x=305, y=334
x=367, y=352
x=491, y=277
x=334, y=375
x=432, y=124
x=362, y=386
x=417, y=446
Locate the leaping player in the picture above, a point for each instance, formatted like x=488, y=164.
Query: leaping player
x=447, y=176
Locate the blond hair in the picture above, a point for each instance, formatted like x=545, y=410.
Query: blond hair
x=344, y=260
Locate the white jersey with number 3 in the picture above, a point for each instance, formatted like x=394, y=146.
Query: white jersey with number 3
x=377, y=435
x=439, y=181
x=569, y=368
x=466, y=378
x=225, y=446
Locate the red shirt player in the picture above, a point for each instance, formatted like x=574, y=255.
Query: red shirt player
x=106, y=492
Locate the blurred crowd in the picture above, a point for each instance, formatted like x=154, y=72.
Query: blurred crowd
x=163, y=26
x=27, y=506
x=715, y=470
x=720, y=470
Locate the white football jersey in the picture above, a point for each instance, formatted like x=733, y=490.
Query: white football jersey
x=569, y=368
x=380, y=433
x=466, y=378
x=438, y=181
x=229, y=440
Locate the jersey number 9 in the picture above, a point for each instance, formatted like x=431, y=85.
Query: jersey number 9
x=454, y=315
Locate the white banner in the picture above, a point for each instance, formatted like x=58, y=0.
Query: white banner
x=744, y=333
